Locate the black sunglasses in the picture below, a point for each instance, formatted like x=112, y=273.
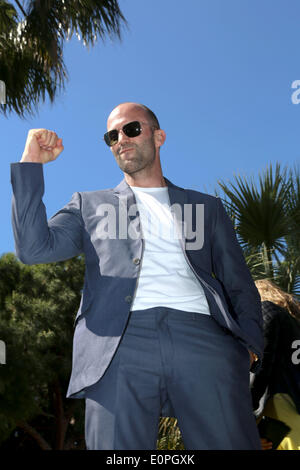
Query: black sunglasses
x=132, y=129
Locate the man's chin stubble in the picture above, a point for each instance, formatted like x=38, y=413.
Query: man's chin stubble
x=129, y=167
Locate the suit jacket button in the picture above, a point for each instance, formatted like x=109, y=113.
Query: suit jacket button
x=128, y=298
x=136, y=260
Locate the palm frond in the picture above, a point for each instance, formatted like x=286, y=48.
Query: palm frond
x=8, y=16
x=260, y=211
x=31, y=49
x=266, y=217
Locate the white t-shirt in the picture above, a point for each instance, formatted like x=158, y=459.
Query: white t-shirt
x=165, y=279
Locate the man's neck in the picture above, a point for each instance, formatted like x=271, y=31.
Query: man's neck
x=149, y=182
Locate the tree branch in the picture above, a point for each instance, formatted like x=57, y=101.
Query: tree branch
x=21, y=8
x=61, y=420
x=34, y=434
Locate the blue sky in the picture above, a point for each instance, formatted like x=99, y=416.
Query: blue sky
x=217, y=73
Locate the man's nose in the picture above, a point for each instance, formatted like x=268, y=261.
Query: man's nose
x=122, y=136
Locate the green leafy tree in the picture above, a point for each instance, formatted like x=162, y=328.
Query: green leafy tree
x=32, y=35
x=38, y=304
x=266, y=218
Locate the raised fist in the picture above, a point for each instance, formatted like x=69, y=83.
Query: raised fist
x=42, y=146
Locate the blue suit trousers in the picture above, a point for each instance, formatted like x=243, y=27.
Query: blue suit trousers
x=173, y=363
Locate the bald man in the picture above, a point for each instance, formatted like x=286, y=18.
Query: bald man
x=169, y=322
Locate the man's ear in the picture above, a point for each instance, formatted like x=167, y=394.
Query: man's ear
x=159, y=137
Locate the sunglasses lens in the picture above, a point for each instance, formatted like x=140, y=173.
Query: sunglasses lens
x=111, y=137
x=132, y=129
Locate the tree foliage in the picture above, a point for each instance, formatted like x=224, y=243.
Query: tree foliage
x=31, y=45
x=266, y=216
x=38, y=304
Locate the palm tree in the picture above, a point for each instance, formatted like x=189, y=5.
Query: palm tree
x=266, y=218
x=32, y=35
x=288, y=271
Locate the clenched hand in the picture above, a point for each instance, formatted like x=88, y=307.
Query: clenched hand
x=42, y=146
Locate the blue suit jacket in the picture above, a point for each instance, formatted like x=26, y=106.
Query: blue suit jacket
x=113, y=264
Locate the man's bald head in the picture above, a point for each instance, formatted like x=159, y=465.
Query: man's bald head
x=138, y=155
x=139, y=108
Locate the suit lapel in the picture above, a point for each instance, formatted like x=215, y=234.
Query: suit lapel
x=178, y=199
x=128, y=215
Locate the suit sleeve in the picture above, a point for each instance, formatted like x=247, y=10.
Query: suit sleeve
x=231, y=270
x=36, y=239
